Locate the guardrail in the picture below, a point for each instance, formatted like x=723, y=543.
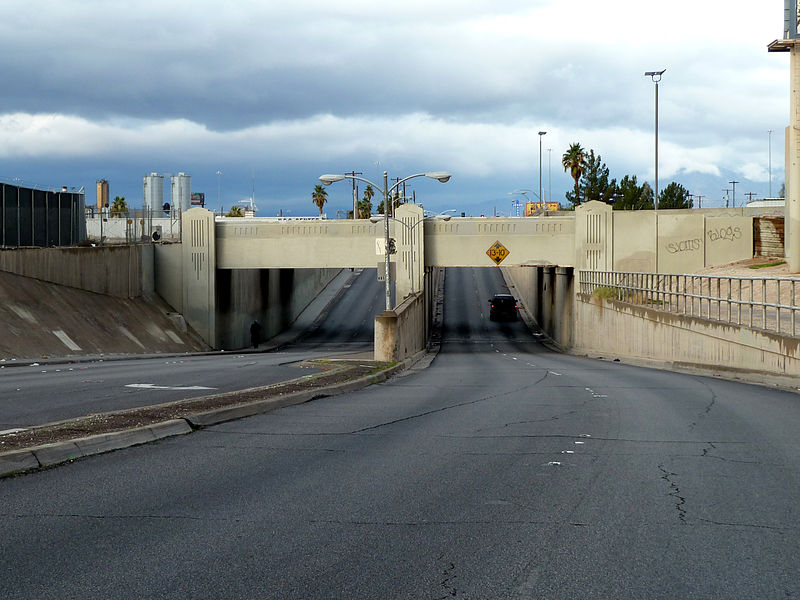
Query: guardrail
x=767, y=303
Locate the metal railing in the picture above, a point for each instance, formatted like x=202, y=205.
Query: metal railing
x=767, y=303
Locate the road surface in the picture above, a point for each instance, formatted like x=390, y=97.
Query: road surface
x=501, y=471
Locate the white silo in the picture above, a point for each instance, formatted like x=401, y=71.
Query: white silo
x=153, y=186
x=182, y=191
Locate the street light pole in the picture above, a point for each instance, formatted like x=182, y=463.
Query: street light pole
x=386, y=265
x=656, y=77
x=769, y=131
x=541, y=133
x=441, y=176
x=219, y=206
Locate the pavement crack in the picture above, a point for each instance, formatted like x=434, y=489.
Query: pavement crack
x=752, y=526
x=708, y=406
x=451, y=406
x=675, y=493
x=448, y=574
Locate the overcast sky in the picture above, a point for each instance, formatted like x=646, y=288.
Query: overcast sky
x=274, y=93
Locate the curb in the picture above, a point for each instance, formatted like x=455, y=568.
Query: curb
x=37, y=457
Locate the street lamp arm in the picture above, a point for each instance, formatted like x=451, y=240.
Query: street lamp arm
x=441, y=176
x=439, y=217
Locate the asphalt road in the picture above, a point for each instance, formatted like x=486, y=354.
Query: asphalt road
x=45, y=392
x=501, y=471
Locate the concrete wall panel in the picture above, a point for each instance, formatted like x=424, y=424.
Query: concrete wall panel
x=728, y=239
x=169, y=274
x=680, y=242
x=634, y=241
x=112, y=270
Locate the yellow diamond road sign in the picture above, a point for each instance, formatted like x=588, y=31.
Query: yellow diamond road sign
x=497, y=252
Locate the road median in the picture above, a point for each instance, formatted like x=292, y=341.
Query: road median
x=65, y=441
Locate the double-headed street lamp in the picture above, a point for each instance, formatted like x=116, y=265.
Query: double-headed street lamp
x=441, y=176
x=656, y=77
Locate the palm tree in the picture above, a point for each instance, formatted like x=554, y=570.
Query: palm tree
x=574, y=159
x=119, y=208
x=235, y=211
x=319, y=197
x=365, y=206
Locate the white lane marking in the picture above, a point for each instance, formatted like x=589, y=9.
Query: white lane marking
x=554, y=463
x=568, y=452
x=151, y=386
x=15, y=430
x=580, y=443
x=587, y=435
x=554, y=373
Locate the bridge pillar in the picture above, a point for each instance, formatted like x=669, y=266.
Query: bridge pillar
x=408, y=231
x=199, y=273
x=563, y=304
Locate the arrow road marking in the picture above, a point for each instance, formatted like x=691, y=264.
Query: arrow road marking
x=151, y=386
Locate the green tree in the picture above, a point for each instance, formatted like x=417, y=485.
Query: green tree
x=119, y=208
x=594, y=183
x=574, y=160
x=319, y=197
x=674, y=196
x=235, y=211
x=632, y=196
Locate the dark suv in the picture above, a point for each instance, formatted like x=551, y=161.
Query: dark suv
x=503, y=307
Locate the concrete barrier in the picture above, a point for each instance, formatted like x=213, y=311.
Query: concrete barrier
x=111, y=270
x=612, y=329
x=400, y=333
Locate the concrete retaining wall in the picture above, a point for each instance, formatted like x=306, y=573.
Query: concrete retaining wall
x=546, y=294
x=168, y=274
x=400, y=333
x=111, y=270
x=614, y=329
x=273, y=297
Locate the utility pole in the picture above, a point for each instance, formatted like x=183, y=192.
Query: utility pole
x=355, y=194
x=397, y=192
x=727, y=197
x=734, y=192
x=700, y=200
x=750, y=196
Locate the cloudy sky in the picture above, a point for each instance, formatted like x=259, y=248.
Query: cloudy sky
x=274, y=93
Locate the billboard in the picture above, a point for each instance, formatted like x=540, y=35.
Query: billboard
x=198, y=199
x=532, y=207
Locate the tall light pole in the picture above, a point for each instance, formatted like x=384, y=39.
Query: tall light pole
x=769, y=131
x=656, y=77
x=440, y=176
x=541, y=133
x=218, y=202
